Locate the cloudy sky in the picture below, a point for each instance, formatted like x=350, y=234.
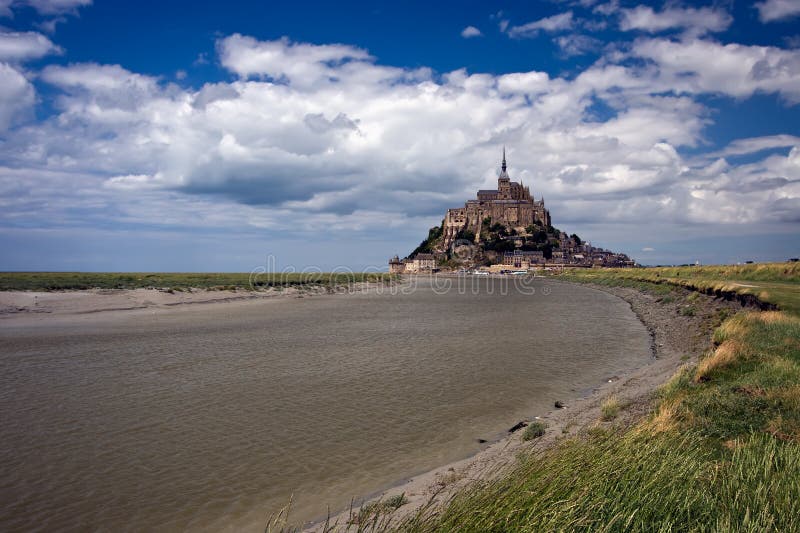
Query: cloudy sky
x=167, y=136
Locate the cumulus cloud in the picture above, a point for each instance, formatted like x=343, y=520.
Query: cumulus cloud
x=24, y=46
x=700, y=66
x=101, y=91
x=17, y=96
x=283, y=60
x=774, y=10
x=470, y=31
x=318, y=137
x=559, y=22
x=698, y=20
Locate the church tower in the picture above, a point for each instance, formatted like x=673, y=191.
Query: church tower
x=504, y=182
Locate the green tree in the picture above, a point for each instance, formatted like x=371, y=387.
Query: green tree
x=466, y=234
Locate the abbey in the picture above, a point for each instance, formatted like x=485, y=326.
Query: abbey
x=502, y=229
x=511, y=204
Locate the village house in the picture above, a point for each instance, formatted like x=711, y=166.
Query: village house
x=420, y=263
x=523, y=259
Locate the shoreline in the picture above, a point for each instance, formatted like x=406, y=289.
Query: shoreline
x=676, y=340
x=33, y=306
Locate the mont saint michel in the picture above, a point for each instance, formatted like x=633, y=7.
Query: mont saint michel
x=501, y=229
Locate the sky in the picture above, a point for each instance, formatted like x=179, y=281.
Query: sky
x=202, y=136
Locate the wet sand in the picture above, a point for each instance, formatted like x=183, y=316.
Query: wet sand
x=20, y=304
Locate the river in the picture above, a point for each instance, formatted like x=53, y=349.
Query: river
x=210, y=417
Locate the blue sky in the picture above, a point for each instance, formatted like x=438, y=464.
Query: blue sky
x=188, y=136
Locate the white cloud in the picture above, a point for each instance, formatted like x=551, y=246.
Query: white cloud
x=49, y=25
x=576, y=44
x=524, y=82
x=773, y=10
x=44, y=7
x=470, y=31
x=107, y=93
x=698, y=20
x=284, y=60
x=560, y=22
x=700, y=66
x=756, y=144
x=55, y=7
x=24, y=46
x=322, y=138
x=17, y=96
x=607, y=9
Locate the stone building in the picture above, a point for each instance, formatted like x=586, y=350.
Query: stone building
x=523, y=259
x=510, y=204
x=420, y=263
x=396, y=266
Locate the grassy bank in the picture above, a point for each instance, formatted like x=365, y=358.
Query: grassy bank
x=56, y=281
x=775, y=283
x=720, y=450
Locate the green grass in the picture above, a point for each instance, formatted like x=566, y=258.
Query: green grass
x=720, y=452
x=610, y=408
x=54, y=281
x=634, y=482
x=534, y=431
x=776, y=283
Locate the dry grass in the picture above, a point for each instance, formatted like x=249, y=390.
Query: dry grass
x=734, y=327
x=773, y=317
x=665, y=419
x=788, y=396
x=726, y=354
x=610, y=408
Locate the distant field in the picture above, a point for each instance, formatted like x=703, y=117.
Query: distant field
x=57, y=281
x=777, y=283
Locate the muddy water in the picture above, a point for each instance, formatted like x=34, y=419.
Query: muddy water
x=211, y=417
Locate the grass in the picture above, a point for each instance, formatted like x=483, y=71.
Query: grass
x=534, y=431
x=775, y=283
x=176, y=282
x=720, y=451
x=610, y=408
x=373, y=514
